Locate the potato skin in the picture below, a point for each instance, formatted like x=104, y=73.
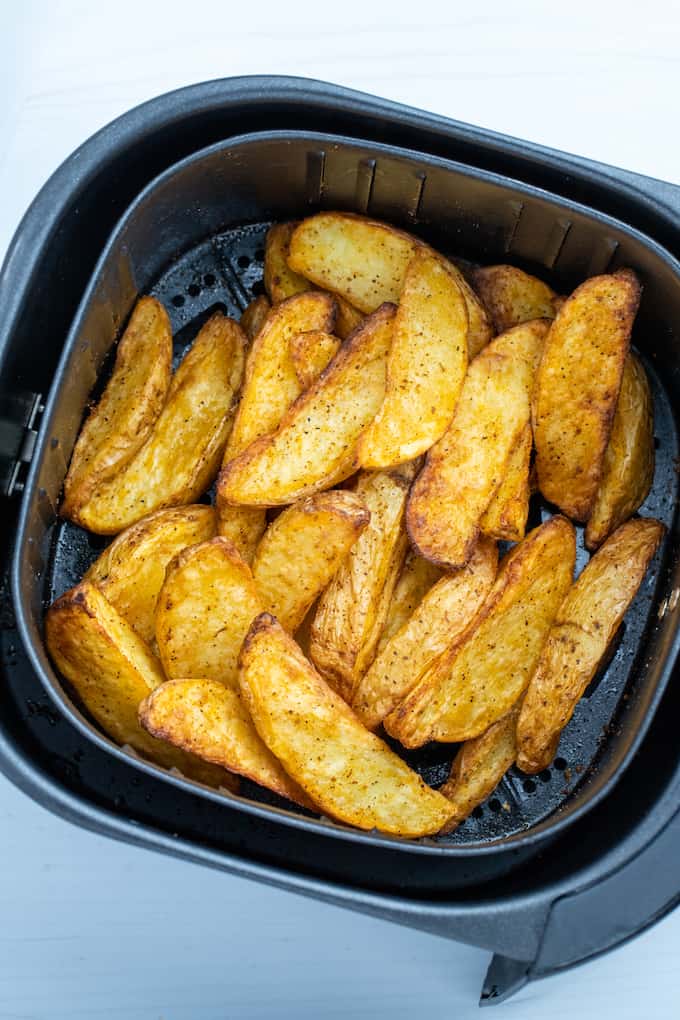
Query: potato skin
x=417, y=577
x=484, y=671
x=512, y=296
x=505, y=518
x=628, y=469
x=577, y=388
x=131, y=571
x=578, y=639
x=311, y=353
x=124, y=417
x=112, y=670
x=350, y=773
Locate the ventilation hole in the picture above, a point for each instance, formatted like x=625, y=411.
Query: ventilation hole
x=178, y=300
x=54, y=442
x=209, y=280
x=560, y=764
x=257, y=288
x=477, y=812
x=529, y=786
x=243, y=261
x=193, y=290
x=544, y=776
x=657, y=443
x=495, y=805
x=259, y=255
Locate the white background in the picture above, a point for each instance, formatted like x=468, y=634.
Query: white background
x=99, y=930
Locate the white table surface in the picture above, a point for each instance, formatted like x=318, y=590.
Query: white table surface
x=95, y=929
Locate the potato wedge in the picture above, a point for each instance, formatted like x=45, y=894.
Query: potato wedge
x=365, y=262
x=349, y=318
x=112, y=670
x=480, y=765
x=415, y=580
x=303, y=548
x=131, y=571
x=311, y=352
x=505, y=518
x=350, y=773
x=583, y=628
x=280, y=281
x=426, y=366
x=205, y=607
x=210, y=721
x=483, y=673
x=180, y=458
x=465, y=468
x=577, y=388
x=270, y=385
x=512, y=296
x=123, y=419
x=243, y=526
x=352, y=611
x=628, y=468
x=254, y=316
x=315, y=444
x=442, y=615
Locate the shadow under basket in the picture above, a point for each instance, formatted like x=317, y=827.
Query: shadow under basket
x=194, y=237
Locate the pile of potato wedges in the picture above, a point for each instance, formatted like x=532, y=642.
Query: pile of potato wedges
x=376, y=425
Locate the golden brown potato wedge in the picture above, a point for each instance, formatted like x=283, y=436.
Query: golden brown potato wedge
x=182, y=454
x=350, y=773
x=577, y=641
x=280, y=281
x=442, y=615
x=348, y=319
x=426, y=366
x=577, y=387
x=466, y=467
x=205, y=607
x=480, y=765
x=129, y=408
x=483, y=673
x=302, y=549
x=505, y=518
x=415, y=580
x=210, y=721
x=131, y=571
x=112, y=670
x=365, y=262
x=512, y=296
x=254, y=316
x=352, y=611
x=311, y=352
x=315, y=444
x=629, y=458
x=271, y=385
x=243, y=526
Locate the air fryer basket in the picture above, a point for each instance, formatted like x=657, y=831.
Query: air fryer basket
x=611, y=873
x=194, y=239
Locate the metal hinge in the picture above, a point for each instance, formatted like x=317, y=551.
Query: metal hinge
x=18, y=434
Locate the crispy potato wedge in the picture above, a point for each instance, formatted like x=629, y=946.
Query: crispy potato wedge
x=444, y=612
x=577, y=388
x=365, y=262
x=505, y=518
x=426, y=366
x=254, y=316
x=315, y=446
x=280, y=281
x=244, y=526
x=123, y=419
x=352, y=611
x=271, y=385
x=205, y=607
x=210, y=721
x=311, y=352
x=484, y=671
x=302, y=549
x=350, y=773
x=349, y=318
x=415, y=580
x=578, y=639
x=112, y=670
x=131, y=571
x=465, y=468
x=181, y=457
x=480, y=765
x=512, y=296
x=628, y=468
